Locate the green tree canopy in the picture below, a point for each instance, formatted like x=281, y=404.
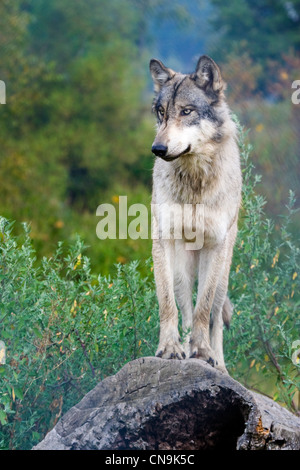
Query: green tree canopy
x=264, y=30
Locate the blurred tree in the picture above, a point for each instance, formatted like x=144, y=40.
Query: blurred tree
x=263, y=29
x=242, y=80
x=28, y=79
x=74, y=126
x=27, y=178
x=257, y=43
x=100, y=114
x=64, y=32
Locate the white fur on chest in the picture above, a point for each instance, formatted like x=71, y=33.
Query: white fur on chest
x=213, y=203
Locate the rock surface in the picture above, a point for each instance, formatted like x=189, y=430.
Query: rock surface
x=159, y=404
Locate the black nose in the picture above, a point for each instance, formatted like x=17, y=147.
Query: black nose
x=159, y=150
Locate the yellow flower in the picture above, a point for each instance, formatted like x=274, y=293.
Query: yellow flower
x=78, y=262
x=115, y=199
x=73, y=308
x=275, y=259
x=259, y=127
x=284, y=75
x=59, y=224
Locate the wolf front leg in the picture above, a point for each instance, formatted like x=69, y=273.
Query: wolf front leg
x=169, y=342
x=184, y=279
x=210, y=261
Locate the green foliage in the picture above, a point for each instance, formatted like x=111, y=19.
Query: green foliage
x=74, y=132
x=64, y=330
x=258, y=42
x=264, y=287
x=248, y=25
x=275, y=152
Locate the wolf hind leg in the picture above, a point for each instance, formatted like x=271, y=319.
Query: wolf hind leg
x=221, y=313
x=221, y=303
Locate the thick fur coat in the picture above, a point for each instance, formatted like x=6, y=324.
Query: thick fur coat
x=197, y=167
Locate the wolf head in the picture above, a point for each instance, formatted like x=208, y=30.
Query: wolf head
x=190, y=109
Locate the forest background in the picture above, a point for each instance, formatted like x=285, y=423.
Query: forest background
x=76, y=132
x=77, y=128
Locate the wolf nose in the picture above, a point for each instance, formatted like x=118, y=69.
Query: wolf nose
x=159, y=150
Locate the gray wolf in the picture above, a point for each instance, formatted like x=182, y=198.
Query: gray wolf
x=197, y=163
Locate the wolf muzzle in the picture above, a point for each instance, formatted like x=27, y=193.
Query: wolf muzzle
x=161, y=151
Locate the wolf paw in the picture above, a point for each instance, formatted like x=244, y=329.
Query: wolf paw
x=199, y=351
x=170, y=350
x=205, y=357
x=209, y=356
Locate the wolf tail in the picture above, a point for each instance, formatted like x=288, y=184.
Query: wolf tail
x=227, y=312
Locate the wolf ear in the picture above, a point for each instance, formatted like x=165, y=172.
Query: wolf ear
x=160, y=74
x=208, y=75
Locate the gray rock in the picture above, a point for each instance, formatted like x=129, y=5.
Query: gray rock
x=153, y=403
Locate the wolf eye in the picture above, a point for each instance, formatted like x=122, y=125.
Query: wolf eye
x=186, y=112
x=161, y=111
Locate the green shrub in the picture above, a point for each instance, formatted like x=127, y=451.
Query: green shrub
x=264, y=287
x=64, y=330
